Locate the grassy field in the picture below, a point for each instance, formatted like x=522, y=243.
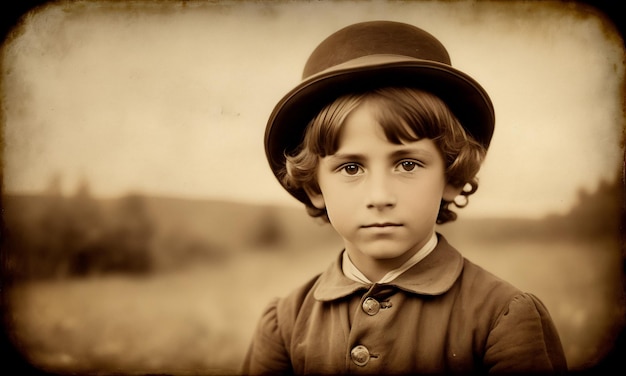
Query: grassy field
x=200, y=320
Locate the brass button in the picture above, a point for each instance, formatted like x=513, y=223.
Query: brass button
x=371, y=306
x=360, y=355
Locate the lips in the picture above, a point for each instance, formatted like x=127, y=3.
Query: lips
x=382, y=225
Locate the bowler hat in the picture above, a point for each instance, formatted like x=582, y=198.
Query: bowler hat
x=370, y=55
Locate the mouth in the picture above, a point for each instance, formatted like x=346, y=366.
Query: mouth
x=382, y=225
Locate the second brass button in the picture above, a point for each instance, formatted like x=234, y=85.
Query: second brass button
x=360, y=355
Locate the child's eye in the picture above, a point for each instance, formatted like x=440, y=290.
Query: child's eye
x=408, y=165
x=350, y=169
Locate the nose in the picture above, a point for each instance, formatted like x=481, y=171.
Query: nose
x=380, y=194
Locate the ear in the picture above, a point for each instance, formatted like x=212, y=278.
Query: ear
x=317, y=198
x=450, y=192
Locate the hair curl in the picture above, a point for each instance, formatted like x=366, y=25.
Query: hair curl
x=406, y=115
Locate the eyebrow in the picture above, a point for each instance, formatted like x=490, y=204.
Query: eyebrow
x=410, y=152
x=398, y=154
x=350, y=157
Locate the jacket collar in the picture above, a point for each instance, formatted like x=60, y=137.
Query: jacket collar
x=434, y=275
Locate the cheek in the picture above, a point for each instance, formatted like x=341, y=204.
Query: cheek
x=424, y=196
x=339, y=203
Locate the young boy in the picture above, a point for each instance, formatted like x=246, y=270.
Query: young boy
x=379, y=139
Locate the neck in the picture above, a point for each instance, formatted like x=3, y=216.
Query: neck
x=375, y=270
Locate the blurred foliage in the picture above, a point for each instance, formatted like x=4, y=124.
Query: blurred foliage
x=596, y=214
x=268, y=233
x=57, y=236
x=119, y=245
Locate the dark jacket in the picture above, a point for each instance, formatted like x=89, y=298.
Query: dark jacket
x=445, y=315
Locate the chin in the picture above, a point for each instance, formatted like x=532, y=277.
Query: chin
x=385, y=253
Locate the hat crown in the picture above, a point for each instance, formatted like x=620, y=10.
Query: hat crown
x=374, y=38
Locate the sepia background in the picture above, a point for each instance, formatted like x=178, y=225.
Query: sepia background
x=143, y=231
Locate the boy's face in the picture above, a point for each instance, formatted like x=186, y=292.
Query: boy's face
x=382, y=198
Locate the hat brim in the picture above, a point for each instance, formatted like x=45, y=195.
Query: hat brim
x=464, y=96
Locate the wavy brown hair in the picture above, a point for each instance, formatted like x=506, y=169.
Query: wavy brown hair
x=406, y=115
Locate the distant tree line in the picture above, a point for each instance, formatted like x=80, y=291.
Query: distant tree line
x=53, y=235
x=598, y=214
x=75, y=236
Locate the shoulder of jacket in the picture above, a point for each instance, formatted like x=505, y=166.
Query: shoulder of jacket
x=476, y=277
x=289, y=306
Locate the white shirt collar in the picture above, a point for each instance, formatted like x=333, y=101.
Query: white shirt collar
x=351, y=271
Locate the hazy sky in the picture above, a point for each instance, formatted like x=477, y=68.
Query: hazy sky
x=173, y=100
